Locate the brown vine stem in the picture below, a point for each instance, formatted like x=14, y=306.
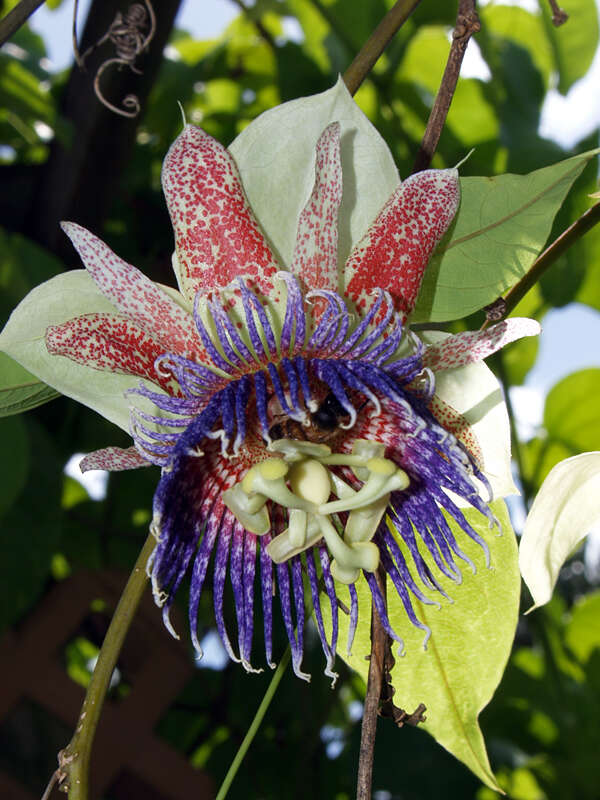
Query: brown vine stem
x=467, y=23
x=559, y=17
x=377, y=42
x=372, y=699
x=18, y=16
x=559, y=246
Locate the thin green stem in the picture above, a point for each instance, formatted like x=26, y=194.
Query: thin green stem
x=75, y=758
x=377, y=42
x=256, y=723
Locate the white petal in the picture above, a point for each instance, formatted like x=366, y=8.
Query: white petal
x=60, y=299
x=275, y=155
x=475, y=393
x=564, y=511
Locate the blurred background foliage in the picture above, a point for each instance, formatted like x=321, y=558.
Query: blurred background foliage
x=57, y=142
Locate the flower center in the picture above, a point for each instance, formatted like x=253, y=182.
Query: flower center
x=300, y=479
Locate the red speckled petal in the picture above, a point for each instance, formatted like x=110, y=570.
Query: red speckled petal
x=137, y=296
x=113, y=459
x=397, y=247
x=454, y=422
x=471, y=346
x=107, y=342
x=217, y=236
x=315, y=254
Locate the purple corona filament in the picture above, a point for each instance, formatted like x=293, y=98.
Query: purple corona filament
x=216, y=415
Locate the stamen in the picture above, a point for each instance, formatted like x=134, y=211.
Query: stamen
x=268, y=478
x=384, y=477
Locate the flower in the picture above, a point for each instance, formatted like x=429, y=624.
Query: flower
x=295, y=417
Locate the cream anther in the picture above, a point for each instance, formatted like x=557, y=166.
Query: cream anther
x=250, y=510
x=349, y=558
x=293, y=450
x=384, y=477
x=363, y=522
x=268, y=478
x=281, y=548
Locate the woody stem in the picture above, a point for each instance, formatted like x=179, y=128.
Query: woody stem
x=372, y=699
x=467, y=23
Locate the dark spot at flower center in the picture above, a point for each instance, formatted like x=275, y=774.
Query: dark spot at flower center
x=327, y=415
x=324, y=423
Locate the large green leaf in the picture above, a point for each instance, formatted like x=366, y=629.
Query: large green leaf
x=575, y=42
x=20, y=390
x=470, y=643
x=571, y=413
x=583, y=631
x=500, y=229
x=523, y=29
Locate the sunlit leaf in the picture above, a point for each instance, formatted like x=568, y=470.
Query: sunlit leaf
x=524, y=29
x=470, y=643
x=563, y=513
x=582, y=634
x=575, y=42
x=277, y=152
x=501, y=226
x=571, y=413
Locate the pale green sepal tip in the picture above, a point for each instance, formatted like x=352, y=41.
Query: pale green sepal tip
x=564, y=511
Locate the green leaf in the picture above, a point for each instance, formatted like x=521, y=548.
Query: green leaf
x=571, y=413
x=539, y=456
x=582, y=634
x=471, y=119
x=470, y=643
x=31, y=530
x=500, y=229
x=14, y=461
x=573, y=43
x=20, y=390
x=563, y=513
x=522, y=28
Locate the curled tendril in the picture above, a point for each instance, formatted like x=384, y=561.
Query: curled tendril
x=126, y=33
